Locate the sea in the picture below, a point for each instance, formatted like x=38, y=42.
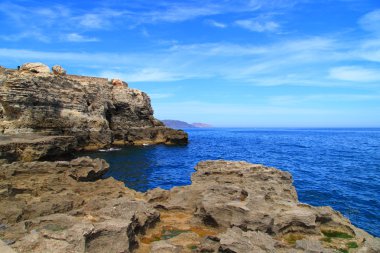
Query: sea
x=330, y=167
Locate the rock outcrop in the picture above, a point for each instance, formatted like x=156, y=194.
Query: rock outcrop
x=64, y=207
x=253, y=208
x=96, y=112
x=230, y=207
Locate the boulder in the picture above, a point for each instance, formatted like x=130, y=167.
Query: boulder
x=58, y=70
x=35, y=67
x=237, y=241
x=118, y=82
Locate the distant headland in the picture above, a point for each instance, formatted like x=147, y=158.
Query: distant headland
x=177, y=124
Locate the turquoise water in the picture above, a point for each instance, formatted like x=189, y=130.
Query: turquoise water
x=335, y=167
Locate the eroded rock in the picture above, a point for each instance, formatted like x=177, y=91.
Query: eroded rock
x=95, y=113
x=58, y=70
x=35, y=67
x=66, y=207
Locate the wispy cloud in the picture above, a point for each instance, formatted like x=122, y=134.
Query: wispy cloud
x=371, y=21
x=273, y=64
x=144, y=75
x=258, y=26
x=216, y=24
x=355, y=74
x=75, y=37
x=36, y=35
x=321, y=98
x=160, y=95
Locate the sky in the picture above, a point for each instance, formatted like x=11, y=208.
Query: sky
x=229, y=63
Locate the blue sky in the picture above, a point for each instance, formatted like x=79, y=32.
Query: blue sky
x=258, y=63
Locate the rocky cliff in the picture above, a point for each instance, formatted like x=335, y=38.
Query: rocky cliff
x=95, y=111
x=230, y=207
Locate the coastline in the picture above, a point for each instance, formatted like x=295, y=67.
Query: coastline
x=66, y=206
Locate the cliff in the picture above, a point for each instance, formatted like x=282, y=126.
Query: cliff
x=230, y=207
x=95, y=111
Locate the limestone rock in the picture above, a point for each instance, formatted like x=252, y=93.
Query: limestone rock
x=164, y=247
x=118, y=82
x=93, y=112
x=58, y=207
x=58, y=70
x=35, y=67
x=238, y=241
x=33, y=147
x=311, y=246
x=254, y=208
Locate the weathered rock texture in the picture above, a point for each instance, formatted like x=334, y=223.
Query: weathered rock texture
x=63, y=207
x=96, y=112
x=230, y=207
x=254, y=208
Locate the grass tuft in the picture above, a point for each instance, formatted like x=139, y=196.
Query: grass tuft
x=352, y=245
x=336, y=234
x=292, y=238
x=326, y=239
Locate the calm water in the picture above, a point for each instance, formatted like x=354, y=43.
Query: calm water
x=336, y=167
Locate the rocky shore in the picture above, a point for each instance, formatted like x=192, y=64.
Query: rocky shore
x=67, y=206
x=230, y=207
x=76, y=112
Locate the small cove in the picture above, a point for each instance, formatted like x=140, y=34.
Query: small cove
x=335, y=167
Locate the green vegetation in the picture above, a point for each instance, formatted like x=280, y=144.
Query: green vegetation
x=292, y=238
x=352, y=245
x=326, y=239
x=192, y=247
x=167, y=234
x=336, y=234
x=343, y=250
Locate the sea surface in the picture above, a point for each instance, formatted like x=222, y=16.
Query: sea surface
x=335, y=167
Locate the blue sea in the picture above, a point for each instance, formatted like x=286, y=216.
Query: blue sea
x=335, y=167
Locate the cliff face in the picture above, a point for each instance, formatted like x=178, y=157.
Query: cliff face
x=96, y=112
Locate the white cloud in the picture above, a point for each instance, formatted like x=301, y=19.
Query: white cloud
x=293, y=62
x=355, y=74
x=258, y=26
x=160, y=95
x=92, y=21
x=26, y=35
x=215, y=23
x=144, y=75
x=321, y=98
x=75, y=37
x=371, y=21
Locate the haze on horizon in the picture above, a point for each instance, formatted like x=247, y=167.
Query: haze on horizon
x=258, y=63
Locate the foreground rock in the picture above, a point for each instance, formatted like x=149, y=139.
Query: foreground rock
x=63, y=207
x=230, y=207
x=253, y=208
x=96, y=112
x=27, y=147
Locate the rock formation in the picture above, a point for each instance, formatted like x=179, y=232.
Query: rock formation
x=230, y=207
x=96, y=112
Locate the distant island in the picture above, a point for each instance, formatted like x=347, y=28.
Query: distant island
x=177, y=124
